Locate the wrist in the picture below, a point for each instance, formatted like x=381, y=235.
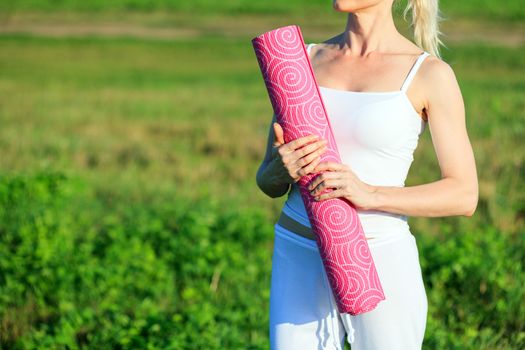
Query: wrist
x=376, y=197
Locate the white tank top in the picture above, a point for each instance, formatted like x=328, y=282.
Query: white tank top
x=376, y=135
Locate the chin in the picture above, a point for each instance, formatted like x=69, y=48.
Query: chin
x=353, y=5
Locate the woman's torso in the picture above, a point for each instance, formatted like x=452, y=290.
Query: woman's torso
x=376, y=135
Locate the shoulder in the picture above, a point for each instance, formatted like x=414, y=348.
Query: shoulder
x=442, y=93
x=437, y=74
x=438, y=81
x=434, y=67
x=313, y=48
x=433, y=70
x=310, y=47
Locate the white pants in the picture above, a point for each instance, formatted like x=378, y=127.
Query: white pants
x=303, y=313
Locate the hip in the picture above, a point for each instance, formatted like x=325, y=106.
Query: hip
x=382, y=234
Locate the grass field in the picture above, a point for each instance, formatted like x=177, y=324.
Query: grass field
x=481, y=9
x=128, y=195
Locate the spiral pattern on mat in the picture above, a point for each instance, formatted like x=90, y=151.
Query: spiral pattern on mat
x=299, y=109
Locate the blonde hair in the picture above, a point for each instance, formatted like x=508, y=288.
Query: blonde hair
x=425, y=24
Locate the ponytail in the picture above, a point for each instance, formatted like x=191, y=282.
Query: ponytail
x=425, y=24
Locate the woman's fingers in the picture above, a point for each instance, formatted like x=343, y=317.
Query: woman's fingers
x=299, y=142
x=307, y=159
x=294, y=156
x=322, y=179
x=311, y=149
x=278, y=138
x=332, y=166
x=328, y=183
x=300, y=152
x=311, y=161
x=309, y=168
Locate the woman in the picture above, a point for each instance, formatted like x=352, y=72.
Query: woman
x=379, y=90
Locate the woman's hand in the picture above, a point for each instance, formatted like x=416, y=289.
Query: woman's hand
x=344, y=183
x=296, y=158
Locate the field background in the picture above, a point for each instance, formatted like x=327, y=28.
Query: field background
x=130, y=135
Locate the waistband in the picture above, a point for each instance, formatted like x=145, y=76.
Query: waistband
x=375, y=223
x=295, y=226
x=377, y=229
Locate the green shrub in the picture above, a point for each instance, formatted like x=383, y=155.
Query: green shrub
x=129, y=276
x=81, y=271
x=475, y=287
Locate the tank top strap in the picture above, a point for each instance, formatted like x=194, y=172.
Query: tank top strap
x=413, y=71
x=309, y=47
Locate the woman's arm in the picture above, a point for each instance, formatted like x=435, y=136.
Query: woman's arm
x=456, y=193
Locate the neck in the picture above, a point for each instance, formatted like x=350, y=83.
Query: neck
x=369, y=30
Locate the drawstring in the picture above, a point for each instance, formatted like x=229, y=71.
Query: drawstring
x=350, y=331
x=330, y=296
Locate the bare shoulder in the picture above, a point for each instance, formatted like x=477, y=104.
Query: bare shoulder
x=438, y=83
x=441, y=91
x=433, y=69
x=437, y=73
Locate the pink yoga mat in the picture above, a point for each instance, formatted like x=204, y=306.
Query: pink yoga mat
x=297, y=103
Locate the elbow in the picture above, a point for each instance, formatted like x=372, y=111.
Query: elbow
x=470, y=210
x=258, y=180
x=272, y=193
x=471, y=202
x=265, y=185
x=275, y=195
x=261, y=183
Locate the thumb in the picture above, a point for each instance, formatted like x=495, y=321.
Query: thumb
x=278, y=134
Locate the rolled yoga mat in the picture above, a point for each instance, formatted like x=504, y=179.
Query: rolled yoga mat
x=299, y=109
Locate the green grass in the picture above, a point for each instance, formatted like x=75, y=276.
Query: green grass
x=482, y=9
x=191, y=117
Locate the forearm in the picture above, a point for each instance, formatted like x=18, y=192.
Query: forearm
x=269, y=183
x=445, y=197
